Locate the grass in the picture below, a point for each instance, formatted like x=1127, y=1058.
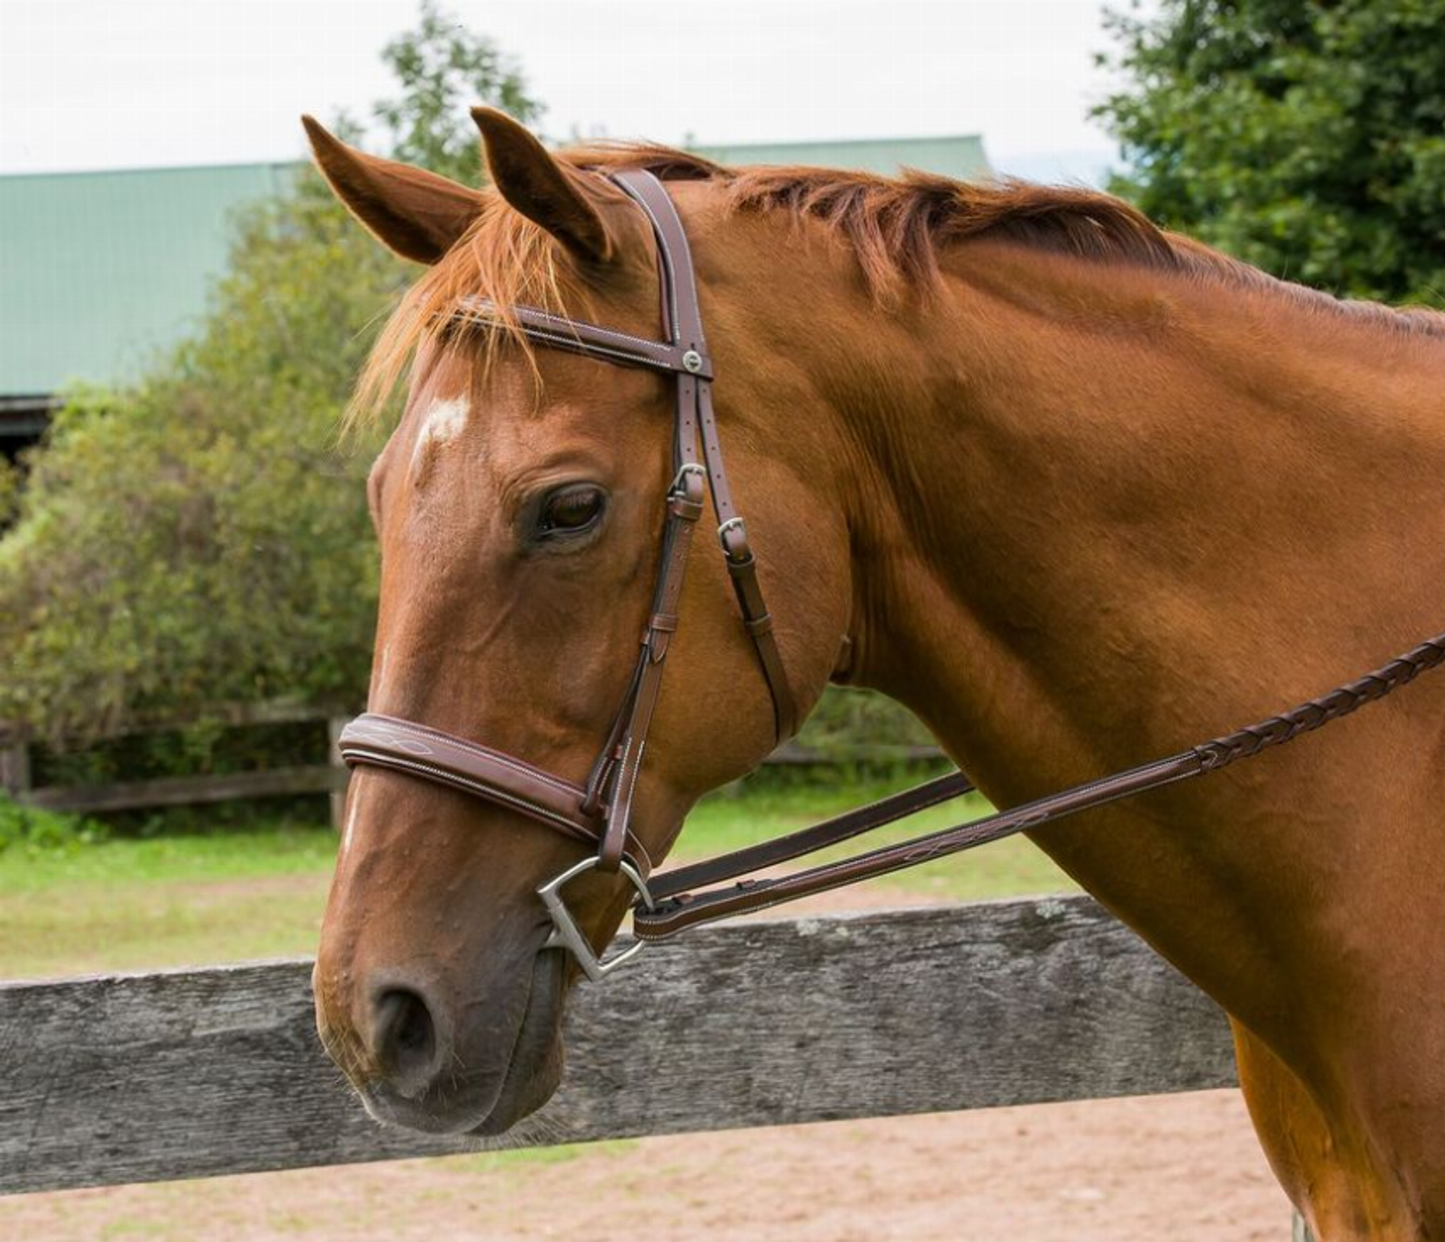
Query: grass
x=168, y=901
x=224, y=897
x=730, y=820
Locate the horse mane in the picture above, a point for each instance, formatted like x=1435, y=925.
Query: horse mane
x=897, y=227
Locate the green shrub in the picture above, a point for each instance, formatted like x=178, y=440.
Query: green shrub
x=198, y=538
x=35, y=831
x=848, y=720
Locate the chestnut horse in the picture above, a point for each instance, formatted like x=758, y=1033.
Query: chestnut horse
x=1076, y=491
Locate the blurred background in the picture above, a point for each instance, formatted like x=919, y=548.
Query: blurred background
x=188, y=575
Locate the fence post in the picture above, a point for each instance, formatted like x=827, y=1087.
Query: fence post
x=14, y=765
x=340, y=775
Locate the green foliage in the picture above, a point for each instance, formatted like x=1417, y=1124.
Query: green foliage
x=199, y=538
x=9, y=492
x=443, y=69
x=1307, y=137
x=29, y=831
x=846, y=720
x=207, y=749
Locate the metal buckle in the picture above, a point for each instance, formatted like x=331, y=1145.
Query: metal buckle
x=680, y=481
x=737, y=524
x=567, y=935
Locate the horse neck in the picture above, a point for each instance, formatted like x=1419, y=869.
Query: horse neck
x=1104, y=513
x=1092, y=487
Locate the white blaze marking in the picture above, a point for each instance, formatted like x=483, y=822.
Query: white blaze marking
x=441, y=424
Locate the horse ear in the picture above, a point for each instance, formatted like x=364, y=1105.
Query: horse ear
x=416, y=213
x=542, y=189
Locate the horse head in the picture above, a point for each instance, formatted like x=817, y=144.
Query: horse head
x=522, y=507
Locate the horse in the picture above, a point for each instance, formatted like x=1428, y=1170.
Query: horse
x=1074, y=489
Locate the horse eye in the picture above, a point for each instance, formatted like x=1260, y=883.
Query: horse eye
x=571, y=510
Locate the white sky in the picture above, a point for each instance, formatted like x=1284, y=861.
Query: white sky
x=138, y=83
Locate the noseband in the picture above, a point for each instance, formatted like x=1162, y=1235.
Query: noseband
x=598, y=813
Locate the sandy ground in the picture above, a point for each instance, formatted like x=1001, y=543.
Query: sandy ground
x=1183, y=1167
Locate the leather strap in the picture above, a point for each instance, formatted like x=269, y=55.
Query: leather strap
x=577, y=336
x=403, y=746
x=667, y=918
x=681, y=310
x=742, y=568
x=683, y=512
x=685, y=313
x=810, y=840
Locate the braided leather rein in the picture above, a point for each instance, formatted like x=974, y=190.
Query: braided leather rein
x=598, y=813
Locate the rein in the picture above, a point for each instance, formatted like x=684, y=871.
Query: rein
x=598, y=813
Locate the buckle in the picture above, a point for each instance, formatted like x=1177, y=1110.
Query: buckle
x=687, y=482
x=567, y=935
x=684, y=497
x=737, y=551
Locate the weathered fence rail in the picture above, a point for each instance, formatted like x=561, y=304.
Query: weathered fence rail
x=196, y=1073
x=16, y=768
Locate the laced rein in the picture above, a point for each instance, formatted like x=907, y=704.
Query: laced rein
x=599, y=813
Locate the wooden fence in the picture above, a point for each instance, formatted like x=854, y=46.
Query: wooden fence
x=203, y=1072
x=328, y=778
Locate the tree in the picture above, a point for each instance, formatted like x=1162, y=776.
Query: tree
x=442, y=69
x=199, y=537
x=1302, y=136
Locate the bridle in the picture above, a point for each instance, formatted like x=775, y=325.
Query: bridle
x=598, y=813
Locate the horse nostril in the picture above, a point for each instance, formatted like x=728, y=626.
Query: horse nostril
x=405, y=1040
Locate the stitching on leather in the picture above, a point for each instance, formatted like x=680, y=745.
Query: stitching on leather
x=575, y=828
x=636, y=772
x=492, y=793
x=475, y=748
x=684, y=274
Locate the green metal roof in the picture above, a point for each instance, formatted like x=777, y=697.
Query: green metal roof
x=100, y=270
x=960, y=157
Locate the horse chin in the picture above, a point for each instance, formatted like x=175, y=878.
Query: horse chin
x=535, y=1068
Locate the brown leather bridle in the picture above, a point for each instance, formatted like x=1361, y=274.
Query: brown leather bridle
x=599, y=812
